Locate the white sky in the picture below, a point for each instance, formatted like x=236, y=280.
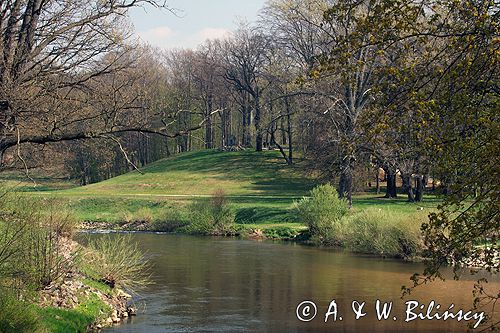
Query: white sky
x=197, y=21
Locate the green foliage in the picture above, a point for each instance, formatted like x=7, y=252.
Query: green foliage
x=281, y=232
x=372, y=230
x=17, y=316
x=170, y=221
x=213, y=217
x=75, y=320
x=323, y=213
x=30, y=236
x=384, y=233
x=144, y=214
x=62, y=221
x=116, y=261
x=102, y=287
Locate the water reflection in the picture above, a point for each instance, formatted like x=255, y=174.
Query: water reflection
x=228, y=285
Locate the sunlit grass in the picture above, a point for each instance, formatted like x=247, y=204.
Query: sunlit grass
x=260, y=187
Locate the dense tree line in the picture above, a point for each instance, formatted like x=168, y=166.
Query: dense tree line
x=348, y=84
x=353, y=86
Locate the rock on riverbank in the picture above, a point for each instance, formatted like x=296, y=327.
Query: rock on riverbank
x=73, y=288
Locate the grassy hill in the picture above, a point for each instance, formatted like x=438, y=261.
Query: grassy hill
x=245, y=173
x=260, y=186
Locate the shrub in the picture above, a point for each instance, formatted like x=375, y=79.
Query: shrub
x=144, y=215
x=212, y=217
x=384, y=233
x=222, y=214
x=17, y=316
x=59, y=219
x=127, y=217
x=281, y=233
x=30, y=236
x=50, y=225
x=323, y=213
x=117, y=262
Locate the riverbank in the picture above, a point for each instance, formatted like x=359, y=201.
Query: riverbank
x=73, y=302
x=49, y=283
x=77, y=302
x=370, y=231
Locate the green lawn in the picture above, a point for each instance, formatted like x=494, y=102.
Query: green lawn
x=244, y=173
x=260, y=186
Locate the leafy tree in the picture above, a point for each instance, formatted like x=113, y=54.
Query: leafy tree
x=451, y=85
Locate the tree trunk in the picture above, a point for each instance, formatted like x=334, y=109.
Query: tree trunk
x=391, y=190
x=407, y=187
x=167, y=148
x=345, y=185
x=223, y=128
x=258, y=129
x=282, y=126
x=246, y=119
x=209, y=124
x=274, y=142
x=377, y=179
x=289, y=130
x=208, y=133
x=345, y=181
x=419, y=188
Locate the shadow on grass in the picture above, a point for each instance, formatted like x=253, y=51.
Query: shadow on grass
x=430, y=201
x=266, y=171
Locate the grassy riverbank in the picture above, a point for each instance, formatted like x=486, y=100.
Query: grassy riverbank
x=51, y=283
x=260, y=187
x=77, y=297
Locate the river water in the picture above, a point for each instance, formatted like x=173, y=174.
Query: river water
x=230, y=285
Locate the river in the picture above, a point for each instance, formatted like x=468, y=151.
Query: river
x=230, y=285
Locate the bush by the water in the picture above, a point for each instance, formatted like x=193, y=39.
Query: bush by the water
x=35, y=252
x=211, y=217
x=30, y=236
x=373, y=231
x=323, y=213
x=170, y=221
x=116, y=261
x=385, y=233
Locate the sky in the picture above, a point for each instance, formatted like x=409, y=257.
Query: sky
x=196, y=21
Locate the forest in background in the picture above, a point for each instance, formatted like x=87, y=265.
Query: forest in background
x=354, y=87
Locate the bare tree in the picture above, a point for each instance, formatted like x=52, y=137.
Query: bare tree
x=246, y=58
x=54, y=55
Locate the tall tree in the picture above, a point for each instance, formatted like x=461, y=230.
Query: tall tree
x=52, y=55
x=451, y=83
x=246, y=58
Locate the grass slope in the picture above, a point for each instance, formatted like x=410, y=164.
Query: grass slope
x=245, y=173
x=261, y=187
